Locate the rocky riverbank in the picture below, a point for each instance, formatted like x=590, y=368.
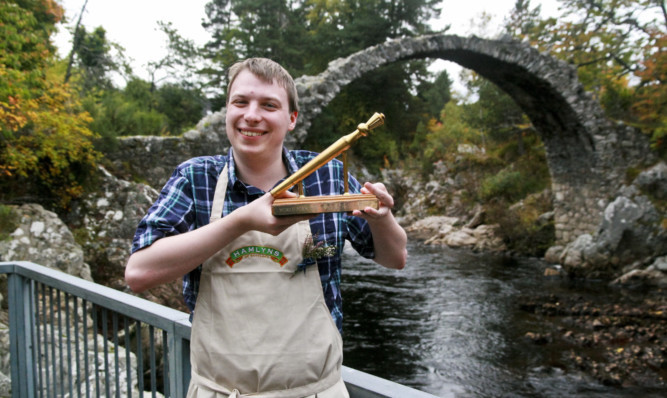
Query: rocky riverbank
x=616, y=337
x=618, y=342
x=615, y=334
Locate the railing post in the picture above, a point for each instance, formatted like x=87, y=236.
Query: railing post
x=179, y=362
x=21, y=347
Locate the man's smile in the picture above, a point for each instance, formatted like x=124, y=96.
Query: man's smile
x=248, y=133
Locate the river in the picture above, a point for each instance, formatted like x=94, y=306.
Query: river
x=450, y=324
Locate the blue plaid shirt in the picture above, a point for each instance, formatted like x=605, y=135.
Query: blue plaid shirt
x=186, y=200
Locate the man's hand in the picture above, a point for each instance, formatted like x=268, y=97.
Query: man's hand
x=389, y=239
x=259, y=217
x=385, y=199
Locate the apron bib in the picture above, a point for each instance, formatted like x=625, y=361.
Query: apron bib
x=259, y=329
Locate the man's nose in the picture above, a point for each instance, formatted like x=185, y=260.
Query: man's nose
x=252, y=113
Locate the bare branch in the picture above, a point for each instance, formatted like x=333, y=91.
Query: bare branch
x=68, y=73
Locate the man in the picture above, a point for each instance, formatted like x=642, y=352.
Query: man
x=267, y=321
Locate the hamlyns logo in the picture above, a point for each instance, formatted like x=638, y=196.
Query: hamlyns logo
x=256, y=251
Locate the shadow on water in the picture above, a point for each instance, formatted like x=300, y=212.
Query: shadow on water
x=450, y=324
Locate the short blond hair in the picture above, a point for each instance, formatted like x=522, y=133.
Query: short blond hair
x=268, y=71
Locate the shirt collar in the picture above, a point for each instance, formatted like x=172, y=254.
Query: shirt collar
x=231, y=168
x=288, y=160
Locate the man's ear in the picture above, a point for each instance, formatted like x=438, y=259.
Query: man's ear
x=292, y=120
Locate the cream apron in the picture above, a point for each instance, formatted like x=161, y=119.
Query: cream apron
x=260, y=327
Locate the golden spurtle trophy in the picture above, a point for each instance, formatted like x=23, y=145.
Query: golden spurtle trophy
x=328, y=203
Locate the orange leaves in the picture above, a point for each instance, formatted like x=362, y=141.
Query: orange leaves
x=53, y=136
x=45, y=143
x=54, y=10
x=11, y=116
x=619, y=49
x=651, y=99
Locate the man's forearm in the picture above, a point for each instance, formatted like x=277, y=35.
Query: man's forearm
x=172, y=257
x=389, y=242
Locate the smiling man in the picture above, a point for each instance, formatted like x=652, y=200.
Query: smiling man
x=266, y=322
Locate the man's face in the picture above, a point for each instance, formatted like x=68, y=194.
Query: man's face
x=258, y=117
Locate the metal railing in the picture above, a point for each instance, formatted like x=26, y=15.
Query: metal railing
x=73, y=338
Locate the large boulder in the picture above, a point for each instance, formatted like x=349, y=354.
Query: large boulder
x=105, y=220
x=428, y=227
x=630, y=237
x=441, y=230
x=42, y=238
x=654, y=181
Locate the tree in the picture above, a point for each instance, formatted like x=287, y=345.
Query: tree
x=94, y=60
x=617, y=47
x=350, y=26
x=444, y=137
x=496, y=114
x=141, y=109
x=183, y=104
x=253, y=28
x=224, y=46
x=70, y=61
x=436, y=94
x=650, y=106
x=46, y=146
x=181, y=63
x=523, y=21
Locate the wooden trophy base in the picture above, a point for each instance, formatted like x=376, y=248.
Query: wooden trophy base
x=324, y=204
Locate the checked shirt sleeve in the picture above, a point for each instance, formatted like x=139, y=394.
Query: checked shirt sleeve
x=359, y=232
x=171, y=213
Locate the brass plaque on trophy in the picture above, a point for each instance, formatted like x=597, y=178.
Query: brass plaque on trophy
x=326, y=203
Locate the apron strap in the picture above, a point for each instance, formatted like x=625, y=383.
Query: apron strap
x=219, y=197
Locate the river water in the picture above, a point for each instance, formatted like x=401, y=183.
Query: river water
x=450, y=324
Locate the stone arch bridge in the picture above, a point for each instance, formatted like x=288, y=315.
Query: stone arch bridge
x=588, y=155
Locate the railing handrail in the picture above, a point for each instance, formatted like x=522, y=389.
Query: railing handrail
x=107, y=297
x=175, y=323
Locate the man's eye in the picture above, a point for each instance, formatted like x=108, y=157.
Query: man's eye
x=270, y=105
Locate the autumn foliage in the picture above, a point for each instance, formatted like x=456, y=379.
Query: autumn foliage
x=651, y=103
x=618, y=48
x=46, y=152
